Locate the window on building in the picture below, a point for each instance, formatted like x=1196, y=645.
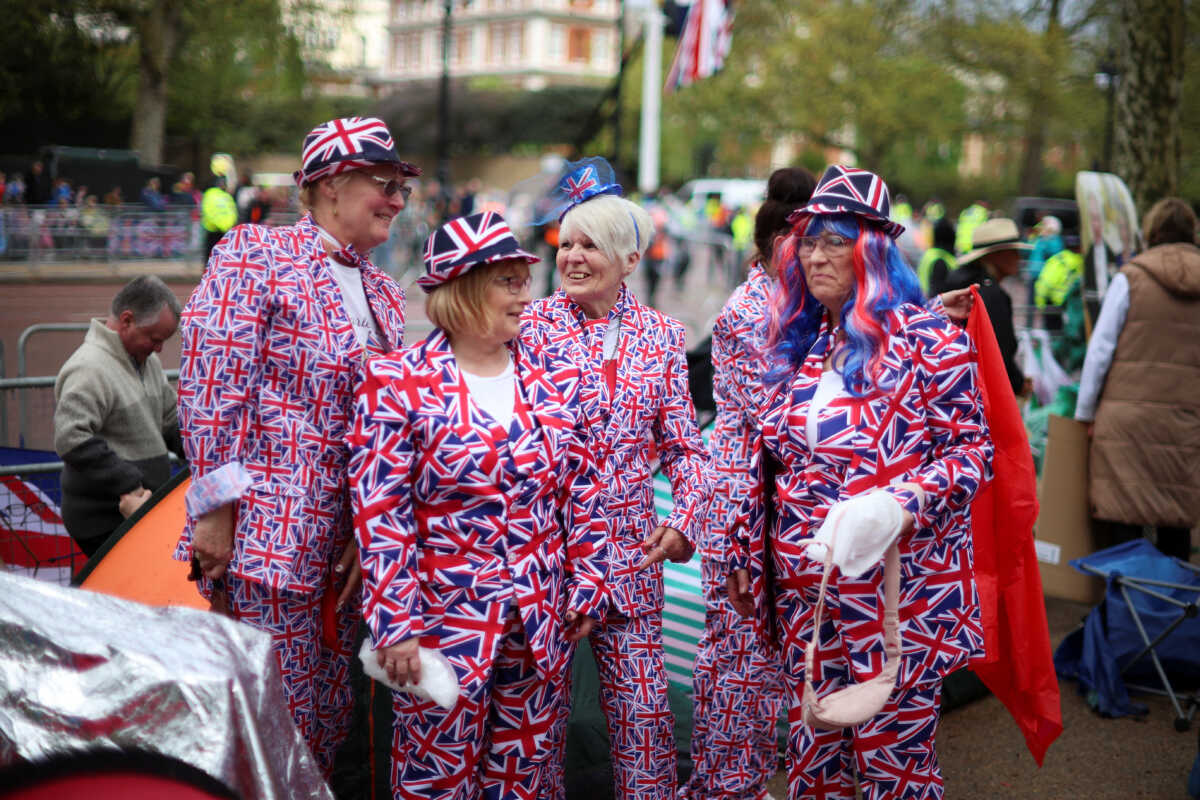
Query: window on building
x=579, y=45
x=557, y=50
x=460, y=48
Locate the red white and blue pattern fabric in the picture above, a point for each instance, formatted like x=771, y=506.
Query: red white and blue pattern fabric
x=268, y=368
x=650, y=407
x=927, y=428
x=461, y=521
x=460, y=244
x=493, y=744
x=348, y=143
x=844, y=190
x=737, y=691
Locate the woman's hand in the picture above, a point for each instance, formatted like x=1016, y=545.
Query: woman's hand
x=664, y=543
x=349, y=569
x=401, y=662
x=738, y=587
x=212, y=541
x=958, y=303
x=577, y=625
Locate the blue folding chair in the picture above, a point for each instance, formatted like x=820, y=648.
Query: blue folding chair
x=1147, y=629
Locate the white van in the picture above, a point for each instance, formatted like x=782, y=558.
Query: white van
x=732, y=192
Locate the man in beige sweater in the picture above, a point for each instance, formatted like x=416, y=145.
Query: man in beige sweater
x=115, y=418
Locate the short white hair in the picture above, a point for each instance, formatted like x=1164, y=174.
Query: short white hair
x=617, y=226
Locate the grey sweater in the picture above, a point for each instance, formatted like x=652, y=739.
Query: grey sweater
x=113, y=426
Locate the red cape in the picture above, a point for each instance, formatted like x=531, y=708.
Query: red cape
x=1018, y=667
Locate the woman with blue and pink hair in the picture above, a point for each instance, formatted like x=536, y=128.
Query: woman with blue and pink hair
x=872, y=422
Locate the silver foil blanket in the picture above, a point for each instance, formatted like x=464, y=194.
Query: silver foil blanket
x=85, y=671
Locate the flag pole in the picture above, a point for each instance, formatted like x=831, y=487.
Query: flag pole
x=650, y=136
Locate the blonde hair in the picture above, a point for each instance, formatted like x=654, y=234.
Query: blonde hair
x=457, y=306
x=617, y=226
x=309, y=193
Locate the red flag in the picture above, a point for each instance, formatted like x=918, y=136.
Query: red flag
x=703, y=44
x=1018, y=667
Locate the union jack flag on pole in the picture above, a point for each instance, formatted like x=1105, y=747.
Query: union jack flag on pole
x=704, y=43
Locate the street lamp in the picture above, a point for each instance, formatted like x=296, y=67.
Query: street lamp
x=1106, y=78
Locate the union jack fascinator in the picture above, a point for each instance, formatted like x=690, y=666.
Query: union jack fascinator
x=847, y=190
x=348, y=143
x=580, y=181
x=460, y=244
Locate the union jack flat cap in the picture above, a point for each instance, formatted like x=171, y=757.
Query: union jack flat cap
x=847, y=190
x=466, y=242
x=348, y=143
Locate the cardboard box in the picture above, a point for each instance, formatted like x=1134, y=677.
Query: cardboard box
x=1063, y=530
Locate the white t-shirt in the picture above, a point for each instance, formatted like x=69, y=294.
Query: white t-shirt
x=495, y=394
x=354, y=298
x=831, y=386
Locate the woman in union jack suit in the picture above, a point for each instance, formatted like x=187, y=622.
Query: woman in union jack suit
x=737, y=691
x=871, y=414
x=274, y=339
x=635, y=372
x=477, y=513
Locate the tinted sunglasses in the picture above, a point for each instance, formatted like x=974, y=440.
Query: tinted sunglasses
x=390, y=186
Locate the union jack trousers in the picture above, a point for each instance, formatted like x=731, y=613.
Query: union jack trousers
x=737, y=691
x=648, y=406
x=266, y=381
x=476, y=539
x=926, y=427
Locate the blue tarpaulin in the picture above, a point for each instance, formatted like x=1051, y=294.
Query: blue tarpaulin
x=1098, y=654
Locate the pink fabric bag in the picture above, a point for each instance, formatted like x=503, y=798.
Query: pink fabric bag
x=858, y=703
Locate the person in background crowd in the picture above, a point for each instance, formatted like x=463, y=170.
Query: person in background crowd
x=1055, y=279
x=1048, y=241
x=868, y=397
x=995, y=255
x=969, y=219
x=243, y=195
x=14, y=190
x=152, y=196
x=936, y=264
x=114, y=413
x=218, y=213
x=476, y=497
x=37, y=187
x=274, y=339
x=635, y=370
x=113, y=197
x=658, y=252
x=1138, y=389
x=737, y=689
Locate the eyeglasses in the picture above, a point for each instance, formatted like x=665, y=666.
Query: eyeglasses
x=514, y=284
x=390, y=186
x=832, y=243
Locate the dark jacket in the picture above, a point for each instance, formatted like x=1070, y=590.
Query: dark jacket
x=999, y=309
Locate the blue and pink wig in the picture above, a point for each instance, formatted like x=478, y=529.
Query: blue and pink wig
x=882, y=281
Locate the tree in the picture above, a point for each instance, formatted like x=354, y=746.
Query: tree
x=1148, y=136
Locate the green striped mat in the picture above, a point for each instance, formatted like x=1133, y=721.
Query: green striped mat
x=683, y=613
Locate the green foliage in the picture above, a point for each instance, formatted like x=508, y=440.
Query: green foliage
x=59, y=82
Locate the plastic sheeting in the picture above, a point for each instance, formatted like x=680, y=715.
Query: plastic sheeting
x=1097, y=653
x=81, y=671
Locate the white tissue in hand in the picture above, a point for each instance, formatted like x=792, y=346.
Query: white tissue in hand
x=865, y=525
x=438, y=681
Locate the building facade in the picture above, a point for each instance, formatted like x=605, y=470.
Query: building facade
x=526, y=43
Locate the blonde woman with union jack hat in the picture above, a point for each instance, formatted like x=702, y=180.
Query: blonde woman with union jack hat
x=633, y=361
x=476, y=509
x=274, y=339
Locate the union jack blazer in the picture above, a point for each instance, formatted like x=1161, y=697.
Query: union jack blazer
x=451, y=504
x=270, y=362
x=928, y=428
x=651, y=408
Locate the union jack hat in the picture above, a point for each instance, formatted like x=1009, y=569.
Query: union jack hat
x=460, y=244
x=348, y=143
x=580, y=181
x=847, y=190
